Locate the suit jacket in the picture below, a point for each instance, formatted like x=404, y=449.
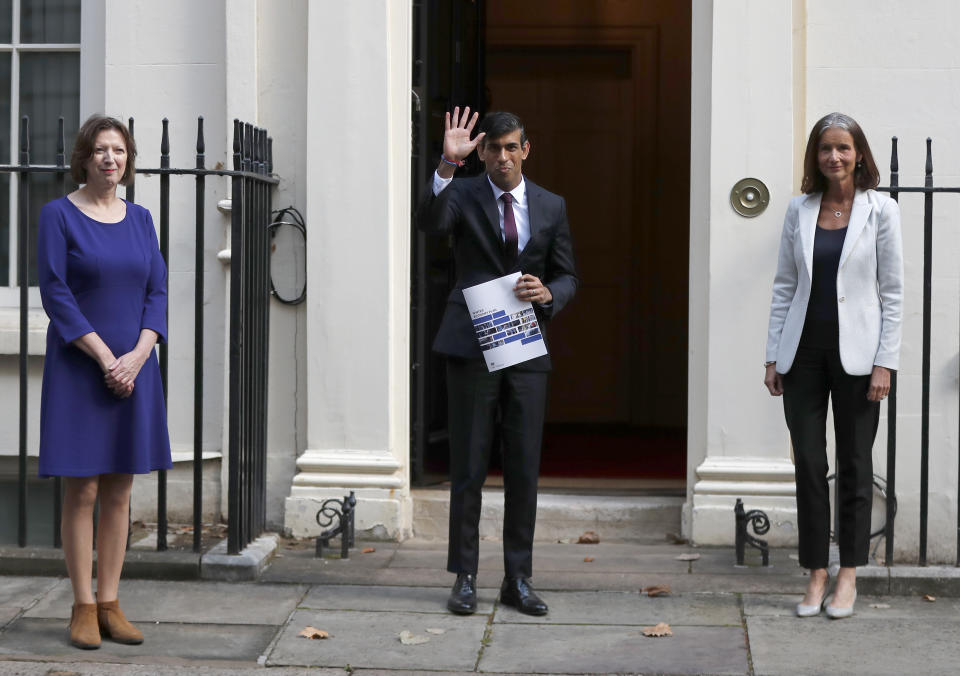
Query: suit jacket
x=467, y=210
x=869, y=283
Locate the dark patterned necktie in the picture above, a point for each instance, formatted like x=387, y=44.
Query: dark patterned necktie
x=509, y=229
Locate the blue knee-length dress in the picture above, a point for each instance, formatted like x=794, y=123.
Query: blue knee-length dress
x=111, y=279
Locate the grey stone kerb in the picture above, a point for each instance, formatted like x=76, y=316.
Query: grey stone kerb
x=247, y=565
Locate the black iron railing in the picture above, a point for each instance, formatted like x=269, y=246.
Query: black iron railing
x=927, y=190
x=252, y=181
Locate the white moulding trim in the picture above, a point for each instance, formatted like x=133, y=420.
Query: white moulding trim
x=766, y=488
x=306, y=483
x=187, y=456
x=10, y=331
x=348, y=461
x=740, y=469
x=352, y=468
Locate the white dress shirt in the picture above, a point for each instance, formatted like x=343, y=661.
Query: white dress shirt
x=521, y=210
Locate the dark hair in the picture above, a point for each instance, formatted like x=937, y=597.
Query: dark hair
x=865, y=175
x=499, y=124
x=86, y=142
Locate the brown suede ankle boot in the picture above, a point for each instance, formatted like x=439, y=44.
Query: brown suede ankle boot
x=114, y=624
x=83, y=626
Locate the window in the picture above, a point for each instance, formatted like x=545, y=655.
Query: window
x=39, y=78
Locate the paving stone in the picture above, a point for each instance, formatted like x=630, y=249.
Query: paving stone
x=300, y=569
x=371, y=640
x=679, y=582
x=150, y=667
x=900, y=607
x=7, y=613
x=589, y=649
x=723, y=562
x=22, y=591
x=859, y=645
x=203, y=602
x=46, y=638
x=629, y=609
x=380, y=599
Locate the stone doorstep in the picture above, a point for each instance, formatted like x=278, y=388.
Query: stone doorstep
x=560, y=515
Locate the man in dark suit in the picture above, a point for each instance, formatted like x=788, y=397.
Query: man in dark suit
x=500, y=223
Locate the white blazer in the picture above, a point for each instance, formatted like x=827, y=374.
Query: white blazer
x=869, y=283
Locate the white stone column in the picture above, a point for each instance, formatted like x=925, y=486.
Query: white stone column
x=358, y=215
x=742, y=126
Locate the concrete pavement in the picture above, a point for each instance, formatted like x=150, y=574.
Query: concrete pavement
x=725, y=620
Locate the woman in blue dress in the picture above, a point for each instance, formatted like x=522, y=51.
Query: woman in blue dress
x=102, y=414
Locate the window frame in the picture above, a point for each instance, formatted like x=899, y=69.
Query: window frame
x=9, y=289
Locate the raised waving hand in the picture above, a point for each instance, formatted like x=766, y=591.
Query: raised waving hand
x=457, y=144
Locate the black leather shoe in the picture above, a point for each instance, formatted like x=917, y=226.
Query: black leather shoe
x=463, y=596
x=517, y=592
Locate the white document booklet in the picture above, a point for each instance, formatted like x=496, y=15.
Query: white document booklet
x=506, y=327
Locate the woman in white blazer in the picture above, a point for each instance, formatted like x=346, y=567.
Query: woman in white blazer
x=834, y=334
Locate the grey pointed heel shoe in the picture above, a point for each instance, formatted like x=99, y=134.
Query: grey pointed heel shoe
x=804, y=610
x=840, y=613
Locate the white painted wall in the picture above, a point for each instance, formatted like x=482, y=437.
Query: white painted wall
x=357, y=198
x=282, y=109
x=167, y=60
x=899, y=76
x=737, y=439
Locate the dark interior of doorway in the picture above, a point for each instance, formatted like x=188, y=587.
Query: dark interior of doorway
x=603, y=87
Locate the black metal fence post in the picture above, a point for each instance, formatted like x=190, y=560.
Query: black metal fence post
x=234, y=519
x=165, y=252
x=925, y=372
x=892, y=403
x=58, y=481
x=23, y=279
x=198, y=344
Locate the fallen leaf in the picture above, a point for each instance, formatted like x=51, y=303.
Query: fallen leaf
x=313, y=632
x=688, y=557
x=879, y=605
x=928, y=597
x=368, y=550
x=434, y=630
x=408, y=638
x=589, y=538
x=588, y=559
x=657, y=590
x=660, y=629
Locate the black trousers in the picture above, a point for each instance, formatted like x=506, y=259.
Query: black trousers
x=474, y=398
x=816, y=375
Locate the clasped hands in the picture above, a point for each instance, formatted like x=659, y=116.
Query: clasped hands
x=531, y=289
x=120, y=374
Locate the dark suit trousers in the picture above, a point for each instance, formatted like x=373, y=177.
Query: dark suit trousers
x=475, y=396
x=816, y=375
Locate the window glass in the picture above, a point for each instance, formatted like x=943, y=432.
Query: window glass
x=6, y=21
x=50, y=21
x=49, y=89
x=4, y=178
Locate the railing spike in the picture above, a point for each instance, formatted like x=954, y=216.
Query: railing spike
x=165, y=140
x=60, y=142
x=24, y=139
x=201, y=145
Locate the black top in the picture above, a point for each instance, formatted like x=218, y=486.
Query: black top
x=821, y=326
